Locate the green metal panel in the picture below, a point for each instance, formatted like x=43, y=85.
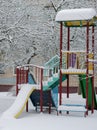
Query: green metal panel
x=82, y=79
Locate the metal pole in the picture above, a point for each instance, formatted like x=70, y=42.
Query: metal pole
x=87, y=56
x=17, y=80
x=41, y=92
x=25, y=73
x=93, y=70
x=68, y=48
x=61, y=40
x=20, y=74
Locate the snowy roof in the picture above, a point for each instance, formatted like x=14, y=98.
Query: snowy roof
x=75, y=14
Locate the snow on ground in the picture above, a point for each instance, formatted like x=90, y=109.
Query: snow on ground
x=6, y=100
x=44, y=121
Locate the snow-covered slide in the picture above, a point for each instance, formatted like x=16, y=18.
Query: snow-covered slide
x=18, y=106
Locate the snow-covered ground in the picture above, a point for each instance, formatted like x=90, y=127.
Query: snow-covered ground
x=44, y=121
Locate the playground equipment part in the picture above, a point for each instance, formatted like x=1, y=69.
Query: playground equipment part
x=47, y=100
x=48, y=92
x=77, y=18
x=18, y=106
x=54, y=72
x=47, y=78
x=82, y=80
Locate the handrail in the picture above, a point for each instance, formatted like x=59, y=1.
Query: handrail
x=32, y=65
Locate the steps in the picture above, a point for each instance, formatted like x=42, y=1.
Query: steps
x=72, y=108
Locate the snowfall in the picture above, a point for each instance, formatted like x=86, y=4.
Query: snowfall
x=33, y=120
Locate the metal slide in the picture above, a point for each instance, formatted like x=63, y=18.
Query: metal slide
x=20, y=102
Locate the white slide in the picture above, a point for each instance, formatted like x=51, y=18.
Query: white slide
x=18, y=106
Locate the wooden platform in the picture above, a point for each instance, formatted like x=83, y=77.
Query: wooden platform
x=73, y=71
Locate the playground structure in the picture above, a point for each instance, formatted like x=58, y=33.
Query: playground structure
x=77, y=18
x=45, y=78
x=45, y=82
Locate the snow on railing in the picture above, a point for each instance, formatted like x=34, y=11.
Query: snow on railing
x=36, y=73
x=30, y=73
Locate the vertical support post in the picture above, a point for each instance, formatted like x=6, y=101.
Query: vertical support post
x=36, y=74
x=20, y=74
x=93, y=70
x=26, y=70
x=61, y=40
x=68, y=42
x=68, y=48
x=17, y=80
x=41, y=92
x=23, y=75
x=49, y=101
x=27, y=106
x=27, y=74
x=87, y=56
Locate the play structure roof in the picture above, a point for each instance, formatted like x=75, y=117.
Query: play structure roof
x=77, y=17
